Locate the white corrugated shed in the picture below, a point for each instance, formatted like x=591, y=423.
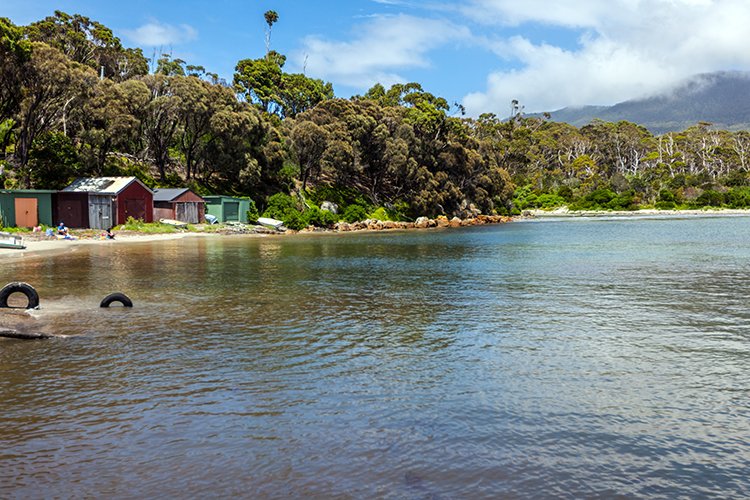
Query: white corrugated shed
x=101, y=185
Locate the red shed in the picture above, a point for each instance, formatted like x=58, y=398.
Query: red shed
x=111, y=200
x=71, y=208
x=179, y=204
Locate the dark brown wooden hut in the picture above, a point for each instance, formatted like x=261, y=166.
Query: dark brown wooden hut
x=179, y=204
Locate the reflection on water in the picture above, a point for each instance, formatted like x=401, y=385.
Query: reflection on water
x=575, y=359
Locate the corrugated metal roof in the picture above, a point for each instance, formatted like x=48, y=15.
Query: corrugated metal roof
x=169, y=194
x=103, y=185
x=27, y=191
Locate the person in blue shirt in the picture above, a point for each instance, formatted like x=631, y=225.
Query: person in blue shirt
x=61, y=229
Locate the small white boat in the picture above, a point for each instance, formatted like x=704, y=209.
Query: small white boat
x=176, y=223
x=8, y=240
x=271, y=223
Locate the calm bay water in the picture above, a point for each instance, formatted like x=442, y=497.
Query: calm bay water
x=577, y=358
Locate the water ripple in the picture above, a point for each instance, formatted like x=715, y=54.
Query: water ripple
x=578, y=359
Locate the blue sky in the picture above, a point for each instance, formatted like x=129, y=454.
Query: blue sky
x=481, y=53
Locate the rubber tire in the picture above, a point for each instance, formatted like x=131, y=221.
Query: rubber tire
x=116, y=297
x=19, y=287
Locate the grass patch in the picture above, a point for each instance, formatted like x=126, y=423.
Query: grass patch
x=147, y=227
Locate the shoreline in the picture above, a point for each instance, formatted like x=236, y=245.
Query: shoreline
x=37, y=244
x=647, y=212
x=37, y=247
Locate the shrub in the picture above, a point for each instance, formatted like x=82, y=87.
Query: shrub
x=293, y=220
x=549, y=201
x=710, y=198
x=665, y=205
x=252, y=212
x=319, y=218
x=738, y=197
x=354, y=213
x=625, y=201
x=666, y=195
x=565, y=193
x=340, y=195
x=279, y=205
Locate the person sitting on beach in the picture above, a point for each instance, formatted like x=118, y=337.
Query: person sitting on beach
x=61, y=229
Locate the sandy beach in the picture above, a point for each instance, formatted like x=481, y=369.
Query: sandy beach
x=38, y=246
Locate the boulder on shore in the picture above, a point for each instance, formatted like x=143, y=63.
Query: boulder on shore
x=329, y=206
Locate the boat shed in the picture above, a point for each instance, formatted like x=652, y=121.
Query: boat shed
x=227, y=208
x=26, y=207
x=103, y=202
x=179, y=204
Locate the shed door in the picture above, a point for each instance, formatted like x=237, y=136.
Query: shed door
x=135, y=208
x=100, y=211
x=187, y=212
x=26, y=212
x=232, y=211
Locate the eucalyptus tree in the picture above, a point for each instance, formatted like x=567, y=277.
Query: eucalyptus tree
x=309, y=142
x=90, y=43
x=235, y=156
x=264, y=83
x=112, y=123
x=160, y=122
x=15, y=52
x=259, y=80
x=51, y=83
x=271, y=17
x=199, y=101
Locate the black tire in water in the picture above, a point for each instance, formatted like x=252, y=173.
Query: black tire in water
x=19, y=287
x=116, y=297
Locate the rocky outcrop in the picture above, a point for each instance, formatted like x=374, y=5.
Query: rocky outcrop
x=420, y=223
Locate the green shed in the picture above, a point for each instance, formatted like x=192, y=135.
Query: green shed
x=227, y=208
x=26, y=207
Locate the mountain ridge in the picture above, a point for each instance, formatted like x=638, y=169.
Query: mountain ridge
x=720, y=98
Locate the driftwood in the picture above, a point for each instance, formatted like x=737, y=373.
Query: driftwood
x=14, y=334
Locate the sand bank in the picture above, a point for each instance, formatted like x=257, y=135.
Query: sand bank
x=38, y=246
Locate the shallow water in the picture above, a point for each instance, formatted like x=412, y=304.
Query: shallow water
x=577, y=358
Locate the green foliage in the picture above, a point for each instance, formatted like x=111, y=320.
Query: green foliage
x=295, y=216
x=138, y=225
x=383, y=213
x=354, y=213
x=320, y=218
x=279, y=205
x=252, y=212
x=606, y=199
x=710, y=198
x=53, y=161
x=526, y=198
x=565, y=192
x=294, y=220
x=738, y=197
x=342, y=196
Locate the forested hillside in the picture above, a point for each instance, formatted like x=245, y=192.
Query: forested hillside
x=75, y=102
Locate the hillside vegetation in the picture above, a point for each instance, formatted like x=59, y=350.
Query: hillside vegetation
x=75, y=102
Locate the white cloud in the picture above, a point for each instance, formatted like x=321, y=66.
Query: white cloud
x=156, y=34
x=629, y=48
x=382, y=47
